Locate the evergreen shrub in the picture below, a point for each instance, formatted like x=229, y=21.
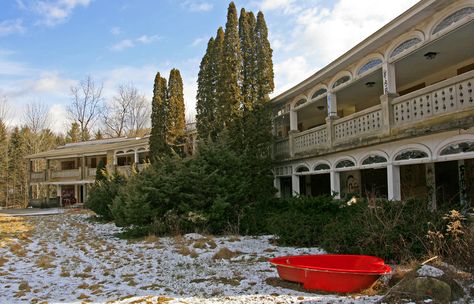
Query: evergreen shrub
x=102, y=194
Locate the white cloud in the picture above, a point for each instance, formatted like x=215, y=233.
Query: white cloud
x=9, y=67
x=8, y=27
x=116, y=31
x=59, y=118
x=197, y=6
x=291, y=71
x=131, y=43
x=122, y=45
x=57, y=11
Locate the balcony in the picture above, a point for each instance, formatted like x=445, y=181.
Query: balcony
x=445, y=105
x=71, y=174
x=36, y=177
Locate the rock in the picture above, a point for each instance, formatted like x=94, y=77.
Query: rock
x=427, y=287
x=429, y=271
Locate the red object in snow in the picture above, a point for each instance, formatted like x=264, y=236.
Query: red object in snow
x=331, y=272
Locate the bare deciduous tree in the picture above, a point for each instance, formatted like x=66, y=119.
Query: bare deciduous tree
x=4, y=108
x=36, y=117
x=86, y=105
x=127, y=113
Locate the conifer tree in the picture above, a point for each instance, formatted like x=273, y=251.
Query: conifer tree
x=158, y=140
x=100, y=174
x=17, y=181
x=229, y=81
x=74, y=134
x=3, y=164
x=265, y=83
x=247, y=35
x=175, y=120
x=205, y=101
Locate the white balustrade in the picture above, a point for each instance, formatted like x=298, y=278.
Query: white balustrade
x=360, y=123
x=72, y=173
x=444, y=97
x=310, y=139
x=38, y=176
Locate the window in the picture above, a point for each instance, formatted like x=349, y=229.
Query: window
x=374, y=159
x=453, y=18
x=320, y=167
x=318, y=93
x=411, y=154
x=404, y=46
x=302, y=169
x=341, y=81
x=462, y=147
x=369, y=65
x=345, y=164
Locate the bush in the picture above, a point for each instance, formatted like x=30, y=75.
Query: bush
x=102, y=194
x=391, y=230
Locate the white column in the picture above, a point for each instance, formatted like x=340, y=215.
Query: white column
x=293, y=120
x=335, y=184
x=388, y=76
x=393, y=183
x=277, y=185
x=332, y=104
x=76, y=193
x=295, y=184
x=58, y=194
x=84, y=193
x=136, y=157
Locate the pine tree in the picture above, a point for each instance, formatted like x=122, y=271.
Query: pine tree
x=229, y=81
x=247, y=35
x=205, y=101
x=3, y=164
x=17, y=181
x=265, y=75
x=175, y=120
x=158, y=140
x=100, y=173
x=74, y=134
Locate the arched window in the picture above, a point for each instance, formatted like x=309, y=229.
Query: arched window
x=300, y=102
x=321, y=167
x=119, y=152
x=411, y=154
x=404, y=46
x=374, y=159
x=453, y=18
x=318, y=93
x=369, y=65
x=346, y=163
x=340, y=81
x=462, y=147
x=302, y=169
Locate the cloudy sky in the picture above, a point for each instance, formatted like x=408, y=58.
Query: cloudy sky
x=47, y=46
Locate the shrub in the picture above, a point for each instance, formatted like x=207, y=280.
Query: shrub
x=102, y=194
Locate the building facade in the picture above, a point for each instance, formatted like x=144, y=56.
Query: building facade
x=63, y=176
x=393, y=117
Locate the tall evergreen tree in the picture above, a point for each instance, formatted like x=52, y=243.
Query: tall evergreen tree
x=247, y=33
x=17, y=174
x=265, y=75
x=74, y=134
x=158, y=140
x=205, y=101
x=175, y=120
x=3, y=164
x=229, y=81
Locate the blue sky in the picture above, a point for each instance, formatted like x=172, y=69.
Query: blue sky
x=46, y=46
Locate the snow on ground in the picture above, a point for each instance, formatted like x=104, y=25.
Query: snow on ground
x=67, y=259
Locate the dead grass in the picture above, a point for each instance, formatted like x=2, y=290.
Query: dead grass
x=225, y=254
x=24, y=286
x=44, y=262
x=3, y=260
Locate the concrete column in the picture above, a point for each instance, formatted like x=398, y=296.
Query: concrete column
x=330, y=130
x=84, y=192
x=76, y=193
x=136, y=157
x=293, y=120
x=277, y=185
x=295, y=184
x=463, y=197
x=335, y=184
x=431, y=184
x=387, y=112
x=389, y=80
x=393, y=183
x=332, y=104
x=58, y=194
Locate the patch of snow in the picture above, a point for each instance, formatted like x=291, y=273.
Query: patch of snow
x=430, y=271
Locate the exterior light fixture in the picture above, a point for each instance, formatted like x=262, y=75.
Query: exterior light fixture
x=430, y=55
x=320, y=107
x=370, y=84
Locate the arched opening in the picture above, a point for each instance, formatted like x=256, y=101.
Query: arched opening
x=453, y=18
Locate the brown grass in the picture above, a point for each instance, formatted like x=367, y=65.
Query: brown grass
x=24, y=286
x=44, y=262
x=225, y=253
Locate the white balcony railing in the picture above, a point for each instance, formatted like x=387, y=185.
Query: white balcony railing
x=444, y=97
x=72, y=173
x=360, y=123
x=38, y=176
x=124, y=170
x=311, y=139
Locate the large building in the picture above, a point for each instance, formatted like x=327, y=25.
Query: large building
x=64, y=175
x=393, y=117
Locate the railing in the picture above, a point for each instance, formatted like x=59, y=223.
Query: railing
x=124, y=170
x=444, y=97
x=38, y=176
x=357, y=124
x=91, y=172
x=310, y=139
x=282, y=148
x=72, y=173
